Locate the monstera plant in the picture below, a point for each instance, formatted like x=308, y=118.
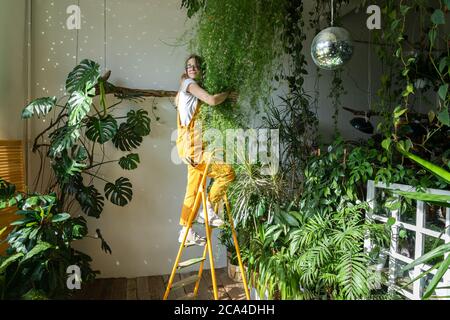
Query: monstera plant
x=82, y=125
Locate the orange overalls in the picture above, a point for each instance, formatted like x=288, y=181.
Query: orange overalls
x=190, y=149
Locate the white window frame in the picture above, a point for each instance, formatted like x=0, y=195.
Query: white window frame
x=420, y=230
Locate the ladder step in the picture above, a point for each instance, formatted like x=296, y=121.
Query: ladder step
x=202, y=224
x=187, y=297
x=187, y=245
x=184, y=282
x=190, y=262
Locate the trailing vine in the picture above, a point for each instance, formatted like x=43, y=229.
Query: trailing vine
x=337, y=90
x=297, y=123
x=240, y=44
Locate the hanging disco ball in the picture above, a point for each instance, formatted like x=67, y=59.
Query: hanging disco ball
x=332, y=48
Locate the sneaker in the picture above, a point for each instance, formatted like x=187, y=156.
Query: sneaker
x=192, y=238
x=213, y=219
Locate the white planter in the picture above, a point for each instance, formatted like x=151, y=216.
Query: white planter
x=254, y=295
x=233, y=270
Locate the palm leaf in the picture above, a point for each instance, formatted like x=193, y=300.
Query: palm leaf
x=90, y=200
x=40, y=106
x=437, y=277
x=101, y=130
x=126, y=139
x=436, y=170
x=79, y=106
x=436, y=252
x=438, y=199
x=139, y=121
x=119, y=193
x=129, y=162
x=352, y=275
x=83, y=77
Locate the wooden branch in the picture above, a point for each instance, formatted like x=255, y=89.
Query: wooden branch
x=129, y=93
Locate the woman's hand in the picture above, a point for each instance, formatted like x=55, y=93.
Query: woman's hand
x=233, y=96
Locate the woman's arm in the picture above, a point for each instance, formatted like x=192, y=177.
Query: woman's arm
x=200, y=93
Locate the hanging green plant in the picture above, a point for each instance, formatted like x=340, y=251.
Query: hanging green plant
x=240, y=44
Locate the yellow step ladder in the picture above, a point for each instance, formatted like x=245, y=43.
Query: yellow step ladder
x=201, y=194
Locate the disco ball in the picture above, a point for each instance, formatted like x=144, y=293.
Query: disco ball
x=332, y=48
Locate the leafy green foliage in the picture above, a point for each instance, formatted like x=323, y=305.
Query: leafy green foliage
x=40, y=107
x=129, y=162
x=62, y=139
x=313, y=248
x=139, y=121
x=126, y=138
x=241, y=47
x=192, y=6
x=40, y=251
x=90, y=200
x=40, y=245
x=76, y=134
x=119, y=193
x=101, y=130
x=68, y=166
x=83, y=77
x=79, y=106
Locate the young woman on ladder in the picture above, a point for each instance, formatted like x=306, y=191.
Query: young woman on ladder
x=190, y=149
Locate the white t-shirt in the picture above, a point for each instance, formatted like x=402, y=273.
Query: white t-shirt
x=187, y=103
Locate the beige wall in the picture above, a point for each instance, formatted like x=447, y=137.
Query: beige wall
x=142, y=52
x=13, y=73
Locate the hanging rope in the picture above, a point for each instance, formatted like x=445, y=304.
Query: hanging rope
x=105, y=33
x=332, y=12
x=369, y=74
x=78, y=39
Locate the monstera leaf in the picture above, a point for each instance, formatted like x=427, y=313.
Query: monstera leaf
x=62, y=139
x=119, y=193
x=74, y=184
x=66, y=166
x=79, y=106
x=126, y=138
x=90, y=200
x=101, y=130
x=83, y=77
x=40, y=107
x=129, y=162
x=139, y=121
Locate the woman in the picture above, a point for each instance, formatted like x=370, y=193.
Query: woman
x=190, y=149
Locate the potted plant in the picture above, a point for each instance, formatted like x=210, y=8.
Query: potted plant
x=233, y=270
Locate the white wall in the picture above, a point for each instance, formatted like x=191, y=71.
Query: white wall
x=13, y=73
x=142, y=52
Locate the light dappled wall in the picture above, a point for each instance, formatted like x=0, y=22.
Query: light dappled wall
x=13, y=68
x=143, y=52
